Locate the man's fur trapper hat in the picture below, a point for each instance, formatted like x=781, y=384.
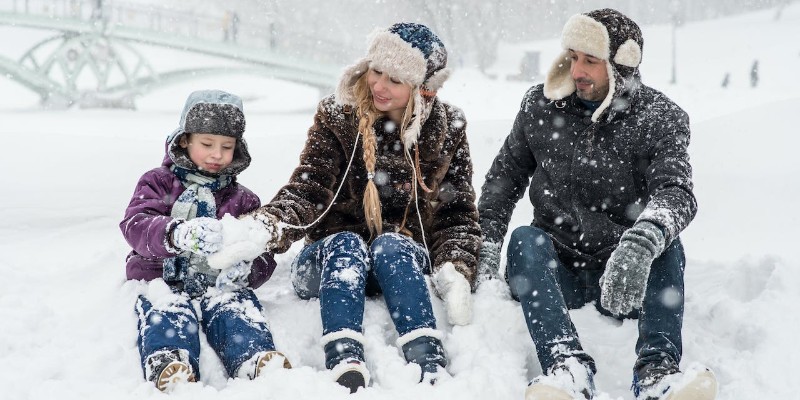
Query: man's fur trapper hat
x=608, y=35
x=409, y=52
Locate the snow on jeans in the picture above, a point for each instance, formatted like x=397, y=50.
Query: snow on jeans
x=342, y=270
x=232, y=321
x=547, y=286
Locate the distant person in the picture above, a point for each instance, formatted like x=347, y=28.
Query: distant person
x=383, y=196
x=234, y=26
x=606, y=160
x=173, y=224
x=226, y=26
x=726, y=80
x=754, y=74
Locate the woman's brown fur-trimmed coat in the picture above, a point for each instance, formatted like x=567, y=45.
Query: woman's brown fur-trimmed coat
x=449, y=215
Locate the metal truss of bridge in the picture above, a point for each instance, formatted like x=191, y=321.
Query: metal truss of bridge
x=93, y=63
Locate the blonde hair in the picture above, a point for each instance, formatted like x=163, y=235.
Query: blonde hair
x=367, y=115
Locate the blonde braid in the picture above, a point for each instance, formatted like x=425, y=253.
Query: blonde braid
x=367, y=115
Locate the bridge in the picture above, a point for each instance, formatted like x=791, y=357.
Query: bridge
x=92, y=60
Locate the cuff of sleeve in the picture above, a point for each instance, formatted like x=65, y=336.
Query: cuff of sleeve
x=170, y=229
x=647, y=234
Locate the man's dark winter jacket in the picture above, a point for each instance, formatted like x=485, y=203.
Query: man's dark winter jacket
x=449, y=215
x=589, y=181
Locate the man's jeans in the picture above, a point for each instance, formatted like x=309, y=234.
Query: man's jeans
x=547, y=284
x=342, y=270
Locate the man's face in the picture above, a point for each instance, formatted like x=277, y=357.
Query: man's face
x=590, y=76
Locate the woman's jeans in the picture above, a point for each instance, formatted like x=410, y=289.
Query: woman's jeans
x=341, y=270
x=547, y=284
x=233, y=323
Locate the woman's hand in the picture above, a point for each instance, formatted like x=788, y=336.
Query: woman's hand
x=455, y=290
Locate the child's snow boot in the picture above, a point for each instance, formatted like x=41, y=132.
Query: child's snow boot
x=168, y=368
x=262, y=362
x=344, y=356
x=665, y=381
x=567, y=379
x=423, y=347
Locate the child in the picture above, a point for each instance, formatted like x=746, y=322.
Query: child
x=172, y=225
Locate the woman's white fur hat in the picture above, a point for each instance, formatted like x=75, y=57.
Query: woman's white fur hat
x=406, y=51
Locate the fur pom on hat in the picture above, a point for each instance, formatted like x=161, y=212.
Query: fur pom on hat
x=406, y=51
x=606, y=34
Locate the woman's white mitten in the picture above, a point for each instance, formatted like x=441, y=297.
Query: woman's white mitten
x=455, y=290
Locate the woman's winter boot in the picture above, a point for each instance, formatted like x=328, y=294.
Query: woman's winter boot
x=424, y=348
x=344, y=356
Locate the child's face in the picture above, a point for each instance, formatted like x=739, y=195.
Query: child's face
x=209, y=152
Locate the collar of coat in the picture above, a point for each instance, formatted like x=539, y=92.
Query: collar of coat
x=622, y=90
x=432, y=132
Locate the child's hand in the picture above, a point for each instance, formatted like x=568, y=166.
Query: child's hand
x=201, y=236
x=234, y=277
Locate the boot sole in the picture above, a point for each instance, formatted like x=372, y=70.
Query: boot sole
x=352, y=380
x=702, y=387
x=266, y=358
x=546, y=392
x=174, y=373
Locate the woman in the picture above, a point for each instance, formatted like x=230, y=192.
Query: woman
x=383, y=196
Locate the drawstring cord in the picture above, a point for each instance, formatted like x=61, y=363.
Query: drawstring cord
x=416, y=203
x=417, y=175
x=335, y=195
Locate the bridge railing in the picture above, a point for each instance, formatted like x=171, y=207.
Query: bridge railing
x=227, y=26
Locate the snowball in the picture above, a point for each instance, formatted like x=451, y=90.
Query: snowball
x=242, y=239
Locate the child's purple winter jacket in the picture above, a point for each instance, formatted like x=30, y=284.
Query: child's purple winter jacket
x=147, y=220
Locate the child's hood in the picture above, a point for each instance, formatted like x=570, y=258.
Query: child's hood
x=210, y=111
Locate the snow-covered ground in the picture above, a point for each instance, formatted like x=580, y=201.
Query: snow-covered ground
x=67, y=327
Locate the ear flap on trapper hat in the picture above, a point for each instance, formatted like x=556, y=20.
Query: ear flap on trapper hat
x=629, y=54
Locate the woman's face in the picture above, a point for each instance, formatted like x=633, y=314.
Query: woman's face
x=389, y=95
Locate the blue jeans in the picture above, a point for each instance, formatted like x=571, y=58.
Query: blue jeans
x=342, y=270
x=227, y=321
x=547, y=283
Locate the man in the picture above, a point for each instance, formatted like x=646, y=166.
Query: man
x=610, y=182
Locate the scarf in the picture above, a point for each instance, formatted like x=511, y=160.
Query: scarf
x=197, y=200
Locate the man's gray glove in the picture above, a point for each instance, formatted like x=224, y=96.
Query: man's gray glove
x=624, y=282
x=489, y=262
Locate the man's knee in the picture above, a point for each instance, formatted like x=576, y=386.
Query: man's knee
x=530, y=237
x=531, y=255
x=529, y=247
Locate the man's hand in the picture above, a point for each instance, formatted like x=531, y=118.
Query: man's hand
x=624, y=282
x=489, y=262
